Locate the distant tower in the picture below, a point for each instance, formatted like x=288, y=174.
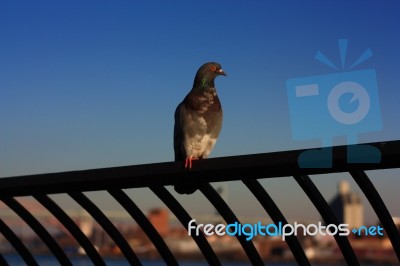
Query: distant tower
x=343, y=187
x=348, y=206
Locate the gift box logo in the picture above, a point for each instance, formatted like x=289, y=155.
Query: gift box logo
x=337, y=104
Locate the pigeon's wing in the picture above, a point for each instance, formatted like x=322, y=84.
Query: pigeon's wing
x=178, y=134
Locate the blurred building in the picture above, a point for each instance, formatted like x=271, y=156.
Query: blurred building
x=347, y=206
x=159, y=217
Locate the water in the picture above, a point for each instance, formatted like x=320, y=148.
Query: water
x=44, y=260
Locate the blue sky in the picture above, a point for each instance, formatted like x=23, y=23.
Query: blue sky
x=91, y=84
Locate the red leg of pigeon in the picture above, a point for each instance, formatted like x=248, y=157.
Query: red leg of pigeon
x=188, y=162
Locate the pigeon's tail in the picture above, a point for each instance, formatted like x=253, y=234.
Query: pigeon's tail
x=185, y=188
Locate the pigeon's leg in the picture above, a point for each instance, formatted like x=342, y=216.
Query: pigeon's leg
x=188, y=162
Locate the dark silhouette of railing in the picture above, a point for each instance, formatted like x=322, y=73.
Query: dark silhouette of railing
x=247, y=168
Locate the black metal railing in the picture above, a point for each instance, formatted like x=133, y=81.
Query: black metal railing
x=247, y=168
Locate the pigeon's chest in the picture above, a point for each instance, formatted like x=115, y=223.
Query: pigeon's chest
x=205, y=102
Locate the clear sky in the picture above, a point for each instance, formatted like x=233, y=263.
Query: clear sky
x=92, y=84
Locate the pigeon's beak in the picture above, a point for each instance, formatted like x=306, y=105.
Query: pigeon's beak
x=221, y=72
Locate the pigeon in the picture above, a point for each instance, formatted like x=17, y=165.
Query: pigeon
x=198, y=121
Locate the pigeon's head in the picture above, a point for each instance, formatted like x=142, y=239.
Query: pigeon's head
x=207, y=73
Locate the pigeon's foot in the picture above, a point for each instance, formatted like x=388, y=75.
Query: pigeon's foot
x=187, y=188
x=188, y=162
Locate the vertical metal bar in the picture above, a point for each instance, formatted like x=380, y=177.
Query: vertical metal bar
x=379, y=207
x=273, y=211
x=327, y=214
x=220, y=205
x=17, y=244
x=38, y=229
x=145, y=224
x=182, y=215
x=70, y=225
x=107, y=225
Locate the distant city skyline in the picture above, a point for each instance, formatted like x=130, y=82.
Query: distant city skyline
x=319, y=247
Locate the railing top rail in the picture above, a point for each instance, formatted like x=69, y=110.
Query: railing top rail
x=264, y=165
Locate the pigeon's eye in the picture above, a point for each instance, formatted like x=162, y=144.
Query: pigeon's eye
x=213, y=68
